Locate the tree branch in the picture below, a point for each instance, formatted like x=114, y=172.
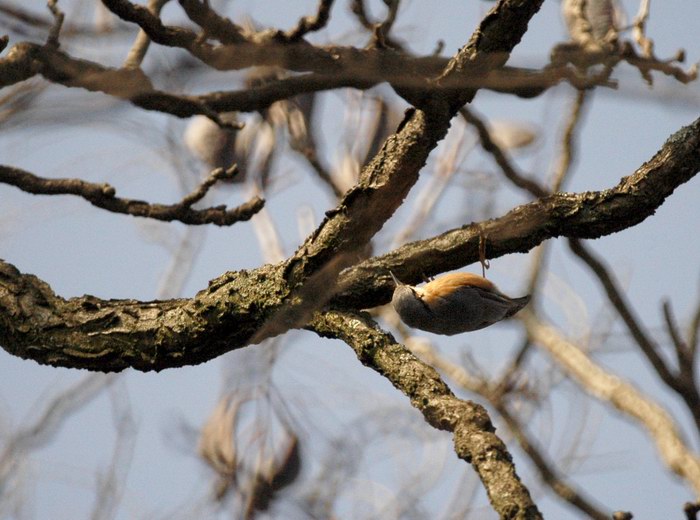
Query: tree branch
x=547, y=470
x=311, y=23
x=475, y=439
x=574, y=215
x=622, y=395
x=680, y=381
x=25, y=60
x=111, y=335
x=104, y=196
x=507, y=167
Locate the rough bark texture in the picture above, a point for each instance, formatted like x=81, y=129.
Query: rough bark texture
x=474, y=436
x=111, y=335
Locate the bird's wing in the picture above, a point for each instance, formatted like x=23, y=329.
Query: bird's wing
x=453, y=281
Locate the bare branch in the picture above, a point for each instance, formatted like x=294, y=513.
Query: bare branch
x=311, y=23
x=229, y=313
x=583, y=215
x=508, y=169
x=104, y=196
x=200, y=192
x=683, y=386
x=54, y=413
x=474, y=437
x=138, y=50
x=25, y=60
x=547, y=470
x=694, y=333
x=54, y=33
x=608, y=388
x=683, y=354
x=213, y=24
x=567, y=153
x=639, y=29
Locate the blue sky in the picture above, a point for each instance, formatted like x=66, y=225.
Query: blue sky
x=79, y=249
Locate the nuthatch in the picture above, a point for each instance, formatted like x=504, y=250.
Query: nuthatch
x=453, y=303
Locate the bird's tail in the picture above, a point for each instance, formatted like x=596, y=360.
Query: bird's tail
x=519, y=304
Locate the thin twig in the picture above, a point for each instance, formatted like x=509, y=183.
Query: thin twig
x=567, y=155
x=682, y=351
x=381, y=30
x=140, y=47
x=639, y=29
x=104, y=196
x=682, y=380
x=499, y=155
x=55, y=31
x=54, y=413
x=694, y=332
x=311, y=23
x=619, y=302
x=609, y=388
x=200, y=192
x=456, y=150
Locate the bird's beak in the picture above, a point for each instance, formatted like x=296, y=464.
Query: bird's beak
x=396, y=280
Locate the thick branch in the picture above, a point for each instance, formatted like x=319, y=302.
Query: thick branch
x=548, y=471
x=475, y=439
x=573, y=215
x=104, y=196
x=111, y=335
x=240, y=308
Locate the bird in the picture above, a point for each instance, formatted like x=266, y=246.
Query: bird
x=453, y=303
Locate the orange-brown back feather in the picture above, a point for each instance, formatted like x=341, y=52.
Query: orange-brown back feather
x=448, y=283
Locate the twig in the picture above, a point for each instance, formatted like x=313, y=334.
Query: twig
x=566, y=157
x=140, y=47
x=448, y=163
x=110, y=486
x=104, y=196
x=311, y=23
x=55, y=31
x=381, y=30
x=609, y=388
x=26, y=60
x=679, y=381
x=645, y=64
x=619, y=302
x=639, y=29
x=694, y=332
x=267, y=234
x=200, y=192
x=681, y=348
x=322, y=173
x=54, y=413
x=381, y=36
x=508, y=169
